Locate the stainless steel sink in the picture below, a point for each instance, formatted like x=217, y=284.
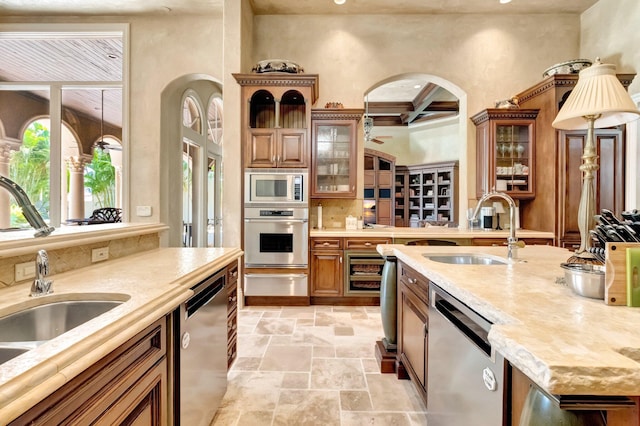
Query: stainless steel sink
x=466, y=259
x=45, y=322
x=9, y=353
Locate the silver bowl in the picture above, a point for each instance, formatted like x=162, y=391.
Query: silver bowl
x=585, y=279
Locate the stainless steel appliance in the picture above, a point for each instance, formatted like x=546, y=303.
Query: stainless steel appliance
x=466, y=375
x=275, y=284
x=276, y=237
x=201, y=353
x=276, y=186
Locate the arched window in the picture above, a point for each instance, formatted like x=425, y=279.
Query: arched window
x=201, y=171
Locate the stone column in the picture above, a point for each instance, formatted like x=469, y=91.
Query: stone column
x=5, y=210
x=76, y=187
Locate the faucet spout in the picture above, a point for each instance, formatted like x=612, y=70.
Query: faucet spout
x=41, y=285
x=28, y=210
x=512, y=240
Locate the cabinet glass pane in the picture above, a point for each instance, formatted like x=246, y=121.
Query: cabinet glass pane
x=512, y=158
x=333, y=162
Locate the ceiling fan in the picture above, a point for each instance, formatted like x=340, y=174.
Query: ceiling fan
x=102, y=144
x=368, y=126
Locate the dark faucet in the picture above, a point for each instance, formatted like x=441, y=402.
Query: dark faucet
x=28, y=210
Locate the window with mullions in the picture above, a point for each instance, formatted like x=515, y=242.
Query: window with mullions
x=61, y=98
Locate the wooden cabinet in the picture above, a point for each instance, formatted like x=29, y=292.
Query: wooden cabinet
x=346, y=271
x=557, y=175
x=379, y=172
x=427, y=192
x=276, y=117
x=609, y=179
x=232, y=313
x=334, y=152
x=326, y=267
x=128, y=386
x=413, y=327
x=505, y=151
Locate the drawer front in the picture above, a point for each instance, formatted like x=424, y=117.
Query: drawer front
x=326, y=243
x=418, y=284
x=232, y=274
x=365, y=243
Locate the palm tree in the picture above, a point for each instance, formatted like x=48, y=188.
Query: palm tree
x=29, y=168
x=100, y=177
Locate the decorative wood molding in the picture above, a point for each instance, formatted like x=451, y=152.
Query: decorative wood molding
x=504, y=113
x=336, y=113
x=563, y=81
x=281, y=79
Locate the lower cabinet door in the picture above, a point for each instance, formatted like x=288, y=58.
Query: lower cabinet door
x=326, y=273
x=414, y=341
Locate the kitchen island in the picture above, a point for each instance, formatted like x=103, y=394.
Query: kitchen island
x=151, y=285
x=565, y=343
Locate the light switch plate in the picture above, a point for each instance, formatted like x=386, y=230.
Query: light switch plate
x=100, y=254
x=143, y=211
x=25, y=271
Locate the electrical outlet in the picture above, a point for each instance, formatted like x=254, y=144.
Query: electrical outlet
x=100, y=254
x=25, y=271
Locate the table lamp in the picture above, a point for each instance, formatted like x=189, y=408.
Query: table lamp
x=598, y=100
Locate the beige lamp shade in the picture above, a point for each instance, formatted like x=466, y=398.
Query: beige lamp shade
x=598, y=92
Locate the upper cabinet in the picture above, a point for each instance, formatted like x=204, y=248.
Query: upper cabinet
x=505, y=151
x=334, y=147
x=276, y=117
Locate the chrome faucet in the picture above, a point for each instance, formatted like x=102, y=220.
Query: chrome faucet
x=28, y=210
x=41, y=285
x=512, y=240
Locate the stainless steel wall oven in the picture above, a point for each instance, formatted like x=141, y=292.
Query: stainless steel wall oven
x=276, y=237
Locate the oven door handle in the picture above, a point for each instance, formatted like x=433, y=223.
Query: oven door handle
x=276, y=220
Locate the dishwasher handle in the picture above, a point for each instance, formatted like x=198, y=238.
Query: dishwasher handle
x=204, y=296
x=465, y=324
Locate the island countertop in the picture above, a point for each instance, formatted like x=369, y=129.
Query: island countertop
x=151, y=283
x=566, y=343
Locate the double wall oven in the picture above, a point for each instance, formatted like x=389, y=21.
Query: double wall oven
x=276, y=232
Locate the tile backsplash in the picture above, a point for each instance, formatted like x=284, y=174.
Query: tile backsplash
x=79, y=256
x=334, y=212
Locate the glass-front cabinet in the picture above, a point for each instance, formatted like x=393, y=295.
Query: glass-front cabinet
x=505, y=151
x=334, y=152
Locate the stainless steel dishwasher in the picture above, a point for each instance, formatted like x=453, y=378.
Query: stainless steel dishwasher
x=465, y=374
x=201, y=353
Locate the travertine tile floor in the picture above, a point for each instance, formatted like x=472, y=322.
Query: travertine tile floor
x=314, y=366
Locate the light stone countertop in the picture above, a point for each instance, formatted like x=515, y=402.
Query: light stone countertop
x=153, y=283
x=567, y=344
x=429, y=232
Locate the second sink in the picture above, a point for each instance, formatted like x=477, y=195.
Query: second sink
x=466, y=259
x=45, y=322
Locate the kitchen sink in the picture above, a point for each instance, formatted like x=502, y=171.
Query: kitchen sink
x=7, y=354
x=466, y=259
x=47, y=321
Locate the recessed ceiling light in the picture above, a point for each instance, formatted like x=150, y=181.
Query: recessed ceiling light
x=339, y=1
x=417, y=86
x=505, y=1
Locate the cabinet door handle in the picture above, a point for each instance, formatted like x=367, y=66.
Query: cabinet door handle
x=367, y=244
x=326, y=244
x=412, y=280
x=353, y=188
x=340, y=259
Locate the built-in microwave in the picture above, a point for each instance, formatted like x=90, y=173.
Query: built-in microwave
x=275, y=186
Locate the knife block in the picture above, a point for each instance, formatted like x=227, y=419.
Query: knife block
x=615, y=277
